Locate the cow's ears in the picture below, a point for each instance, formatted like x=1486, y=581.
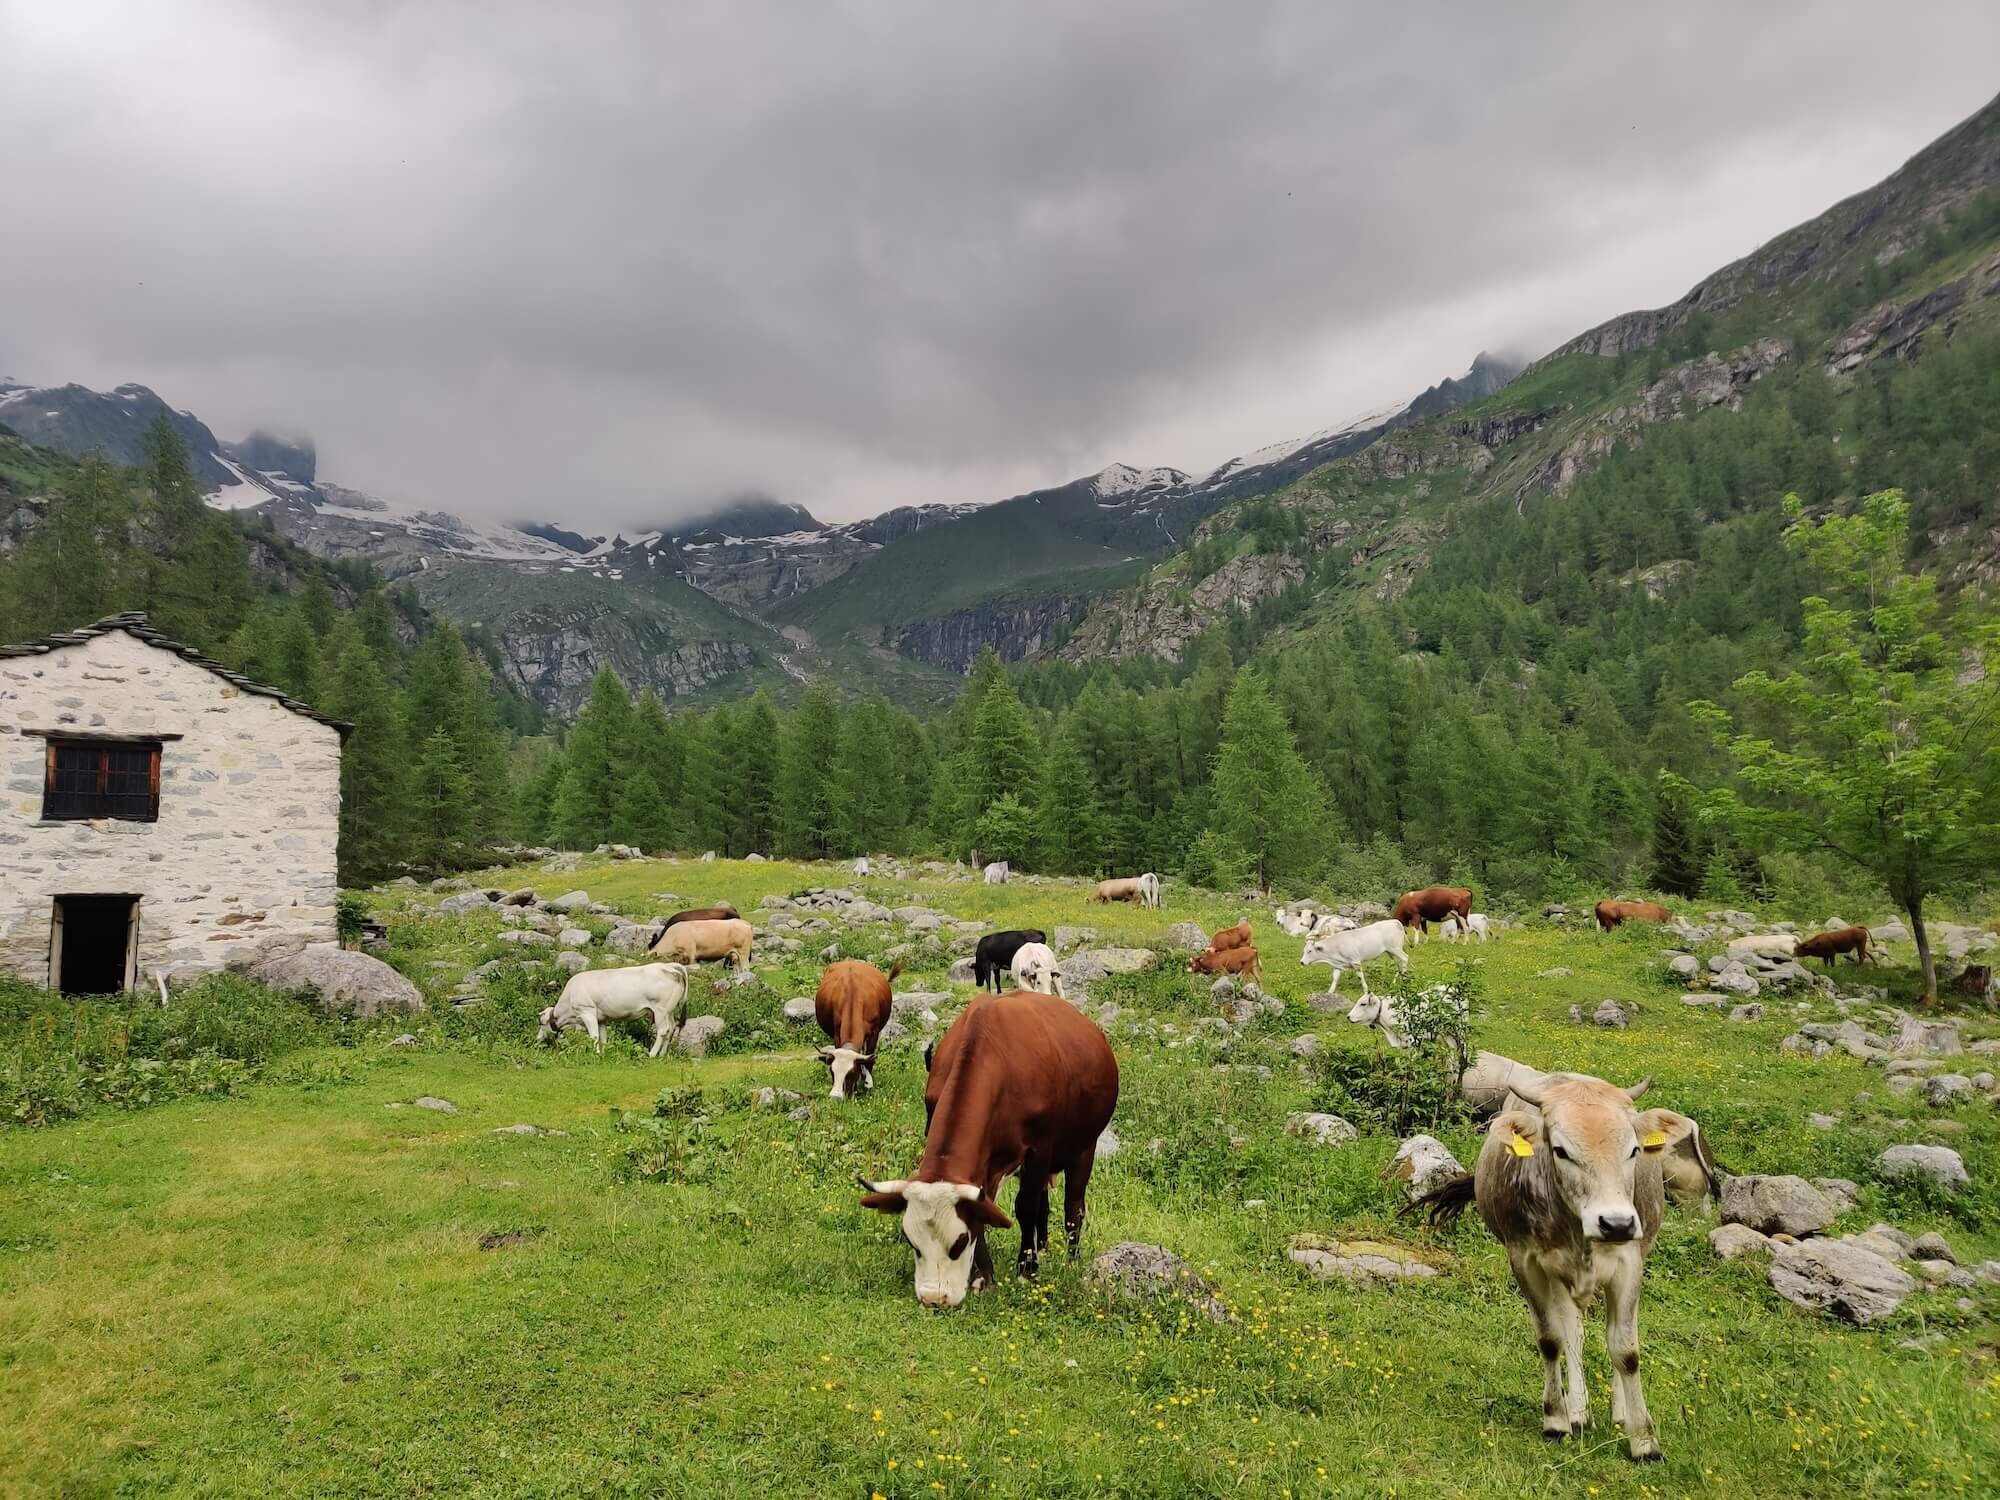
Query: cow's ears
x=1663, y=1130
x=1517, y=1131
x=884, y=1197
x=983, y=1210
x=825, y=1054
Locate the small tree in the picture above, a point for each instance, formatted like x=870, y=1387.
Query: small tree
x=1884, y=745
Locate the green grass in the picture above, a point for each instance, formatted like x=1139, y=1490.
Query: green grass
x=283, y=1293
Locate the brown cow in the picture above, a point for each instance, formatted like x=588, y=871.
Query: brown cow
x=1231, y=937
x=1230, y=961
x=1021, y=1083
x=1144, y=889
x=723, y=913
x=1418, y=909
x=1611, y=913
x=694, y=940
x=853, y=1005
x=1827, y=946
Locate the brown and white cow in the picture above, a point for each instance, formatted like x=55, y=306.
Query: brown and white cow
x=1571, y=1185
x=695, y=940
x=1611, y=914
x=1416, y=910
x=1144, y=889
x=1021, y=1084
x=722, y=913
x=853, y=1005
x=1229, y=961
x=1827, y=946
x=1231, y=937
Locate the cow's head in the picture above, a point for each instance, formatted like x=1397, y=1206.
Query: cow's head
x=944, y=1222
x=1596, y=1143
x=853, y=1070
x=550, y=1026
x=1320, y=951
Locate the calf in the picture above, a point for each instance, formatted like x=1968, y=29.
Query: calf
x=656, y=991
x=1229, y=961
x=1611, y=914
x=853, y=1005
x=1352, y=950
x=1456, y=928
x=723, y=913
x=1296, y=921
x=996, y=873
x=1764, y=945
x=995, y=953
x=1019, y=1084
x=1035, y=968
x=1144, y=889
x=1231, y=937
x=1418, y=909
x=696, y=940
x=1380, y=1012
x=1571, y=1186
x=1827, y=946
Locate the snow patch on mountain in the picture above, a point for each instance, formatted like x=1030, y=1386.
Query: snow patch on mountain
x=1275, y=452
x=1123, y=479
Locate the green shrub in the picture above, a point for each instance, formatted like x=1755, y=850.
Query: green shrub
x=670, y=1145
x=1413, y=1088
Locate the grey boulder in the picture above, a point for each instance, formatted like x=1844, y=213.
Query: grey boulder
x=1188, y=937
x=698, y=1033
x=1776, y=1205
x=800, y=1009
x=1321, y=1129
x=1941, y=1164
x=1140, y=1272
x=344, y=983
x=1839, y=1277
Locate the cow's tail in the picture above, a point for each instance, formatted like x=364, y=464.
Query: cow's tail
x=654, y=941
x=1442, y=1204
x=895, y=969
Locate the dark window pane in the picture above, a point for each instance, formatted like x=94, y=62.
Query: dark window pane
x=102, y=781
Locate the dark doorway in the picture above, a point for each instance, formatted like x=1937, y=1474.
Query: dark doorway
x=92, y=944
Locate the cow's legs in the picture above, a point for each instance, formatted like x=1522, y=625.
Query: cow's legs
x=659, y=1015
x=1579, y=1388
x=1031, y=1210
x=1076, y=1182
x=1621, y=1338
x=1540, y=1297
x=1362, y=969
x=595, y=1028
x=982, y=1256
x=1334, y=988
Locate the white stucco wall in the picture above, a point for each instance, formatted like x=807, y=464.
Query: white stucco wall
x=249, y=809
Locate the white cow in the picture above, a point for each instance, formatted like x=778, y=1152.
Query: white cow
x=599, y=995
x=1765, y=945
x=996, y=873
x=1380, y=1012
x=861, y=865
x=1149, y=889
x=1035, y=969
x=1352, y=950
x=1299, y=920
x=1453, y=930
x=1329, y=923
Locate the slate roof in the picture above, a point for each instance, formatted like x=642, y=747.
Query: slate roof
x=135, y=625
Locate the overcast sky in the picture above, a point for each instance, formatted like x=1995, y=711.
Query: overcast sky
x=599, y=262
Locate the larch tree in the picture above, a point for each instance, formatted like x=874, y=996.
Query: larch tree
x=1266, y=801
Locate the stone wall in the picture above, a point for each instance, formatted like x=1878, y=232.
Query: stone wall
x=249, y=809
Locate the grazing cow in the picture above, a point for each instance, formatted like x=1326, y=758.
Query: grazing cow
x=695, y=940
x=1352, y=950
x=1455, y=928
x=853, y=1005
x=996, y=873
x=861, y=865
x=994, y=955
x=723, y=913
x=1827, y=946
x=1019, y=1084
x=1418, y=909
x=1572, y=1187
x=1615, y=913
x=1144, y=889
x=657, y=991
x=1035, y=968
x=1229, y=961
x=1764, y=945
x=1380, y=1012
x=1231, y=937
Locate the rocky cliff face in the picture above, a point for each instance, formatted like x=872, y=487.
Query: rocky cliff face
x=1893, y=330
x=1161, y=619
x=552, y=659
x=76, y=420
x=1014, y=628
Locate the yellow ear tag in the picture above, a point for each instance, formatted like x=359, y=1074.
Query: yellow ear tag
x=1654, y=1141
x=1520, y=1145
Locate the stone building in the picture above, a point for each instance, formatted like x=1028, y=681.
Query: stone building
x=158, y=810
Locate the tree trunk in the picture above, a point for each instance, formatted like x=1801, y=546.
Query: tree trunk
x=1914, y=907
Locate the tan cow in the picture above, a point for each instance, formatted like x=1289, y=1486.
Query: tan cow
x=694, y=942
x=1612, y=914
x=1144, y=889
x=1572, y=1187
x=1231, y=937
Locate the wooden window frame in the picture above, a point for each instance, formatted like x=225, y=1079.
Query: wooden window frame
x=99, y=809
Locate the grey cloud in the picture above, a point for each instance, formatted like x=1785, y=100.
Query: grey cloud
x=602, y=262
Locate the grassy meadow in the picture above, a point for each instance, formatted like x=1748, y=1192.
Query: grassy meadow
x=283, y=1291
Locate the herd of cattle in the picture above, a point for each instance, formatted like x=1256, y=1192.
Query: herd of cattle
x=1571, y=1177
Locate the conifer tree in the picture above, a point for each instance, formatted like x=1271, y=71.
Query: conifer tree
x=1066, y=810
x=813, y=823
x=440, y=804
x=641, y=817
x=751, y=774
x=598, y=756
x=374, y=766
x=1265, y=799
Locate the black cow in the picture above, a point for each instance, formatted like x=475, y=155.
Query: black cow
x=994, y=958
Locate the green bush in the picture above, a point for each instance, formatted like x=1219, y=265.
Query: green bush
x=1413, y=1088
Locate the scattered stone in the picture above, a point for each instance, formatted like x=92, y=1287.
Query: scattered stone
x=1929, y=1038
x=1983, y=1082
x=569, y=901
x=803, y=1112
x=1751, y=1012
x=1321, y=1129
x=1903, y=1240
x=1734, y=1241
x=527, y=1129
x=1736, y=979
x=344, y=983
x=893, y=1032
x=1108, y=1144
x=1840, y=1277
x=1842, y=1192
x=1307, y=1045
x=525, y=896
x=1933, y=1246
x=431, y=1101
x=1187, y=937
x=1554, y=974
x=1940, y=1163
x=1140, y=1272
x=457, y=906
x=801, y=1009
x=1823, y=1122
x=770, y=1098
x=1610, y=1013
x=1989, y=1272
x=527, y=937
x=697, y=1033
x=630, y=941
x=964, y=971
x=1798, y=1044
x=1421, y=1163
x=574, y=937
x=1686, y=965
x=1946, y=1088
x=1704, y=1002
x=571, y=962
x=407, y=1039
x=707, y=857
x=1880, y=1244
x=1069, y=937
x=1366, y=1262
x=1776, y=1204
